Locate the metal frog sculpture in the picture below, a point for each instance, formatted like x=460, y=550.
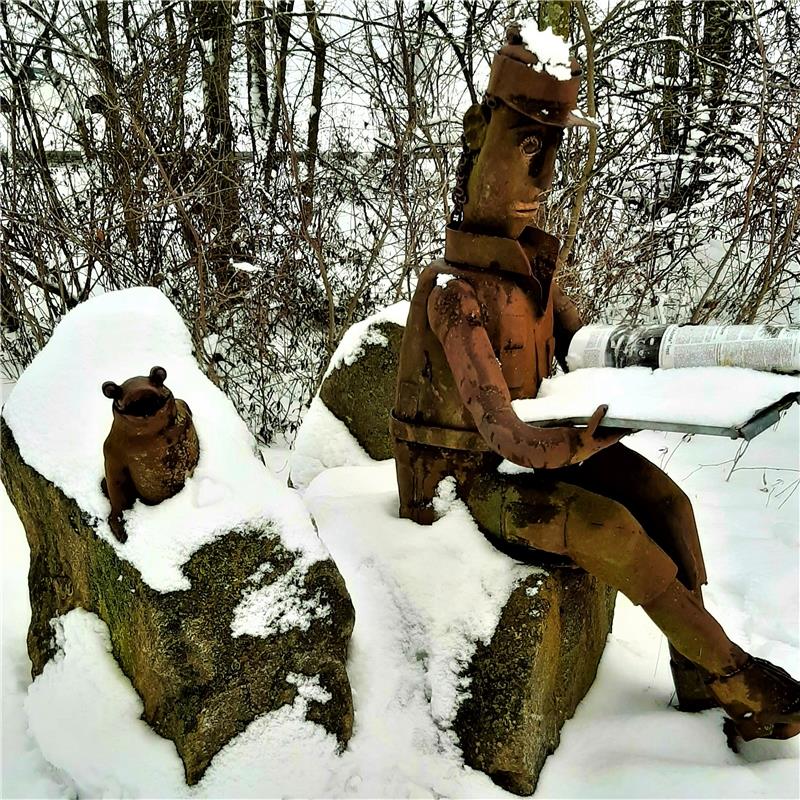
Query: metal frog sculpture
x=152, y=447
x=484, y=326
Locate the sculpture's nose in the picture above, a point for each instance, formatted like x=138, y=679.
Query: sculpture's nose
x=545, y=169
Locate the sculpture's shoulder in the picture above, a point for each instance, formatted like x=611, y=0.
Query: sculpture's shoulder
x=428, y=276
x=440, y=273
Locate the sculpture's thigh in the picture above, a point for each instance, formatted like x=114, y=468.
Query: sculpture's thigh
x=598, y=534
x=654, y=499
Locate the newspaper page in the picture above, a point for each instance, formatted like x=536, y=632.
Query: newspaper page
x=768, y=348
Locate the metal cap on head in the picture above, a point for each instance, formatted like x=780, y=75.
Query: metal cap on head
x=518, y=80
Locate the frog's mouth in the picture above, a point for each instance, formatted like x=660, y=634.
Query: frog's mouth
x=145, y=405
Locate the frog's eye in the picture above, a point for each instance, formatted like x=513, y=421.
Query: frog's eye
x=530, y=146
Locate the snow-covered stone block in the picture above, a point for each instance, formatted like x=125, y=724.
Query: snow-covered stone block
x=224, y=596
x=347, y=423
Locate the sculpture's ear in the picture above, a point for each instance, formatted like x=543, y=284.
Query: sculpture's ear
x=475, y=126
x=112, y=391
x=157, y=376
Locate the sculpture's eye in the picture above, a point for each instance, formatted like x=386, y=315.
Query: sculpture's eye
x=530, y=146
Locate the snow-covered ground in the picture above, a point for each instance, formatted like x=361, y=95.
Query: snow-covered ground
x=76, y=731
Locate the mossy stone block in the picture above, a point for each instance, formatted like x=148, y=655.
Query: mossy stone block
x=200, y=685
x=361, y=394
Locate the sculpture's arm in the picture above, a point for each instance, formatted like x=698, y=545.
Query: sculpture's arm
x=455, y=317
x=567, y=321
x=120, y=490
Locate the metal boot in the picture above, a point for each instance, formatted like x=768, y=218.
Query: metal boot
x=761, y=700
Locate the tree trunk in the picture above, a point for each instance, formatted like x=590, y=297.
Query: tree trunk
x=670, y=115
x=283, y=24
x=716, y=47
x=316, y=105
x=221, y=207
x=258, y=88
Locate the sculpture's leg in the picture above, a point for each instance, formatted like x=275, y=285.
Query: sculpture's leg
x=604, y=538
x=666, y=513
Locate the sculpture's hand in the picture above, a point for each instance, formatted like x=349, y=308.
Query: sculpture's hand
x=587, y=441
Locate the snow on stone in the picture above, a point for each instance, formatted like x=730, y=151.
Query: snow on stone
x=714, y=396
x=551, y=50
x=363, y=333
x=309, y=688
x=424, y=595
x=112, y=752
x=323, y=441
x=278, y=606
x=60, y=420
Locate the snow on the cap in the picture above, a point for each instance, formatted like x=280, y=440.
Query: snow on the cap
x=551, y=50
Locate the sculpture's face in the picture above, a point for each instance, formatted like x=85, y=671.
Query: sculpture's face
x=510, y=173
x=141, y=397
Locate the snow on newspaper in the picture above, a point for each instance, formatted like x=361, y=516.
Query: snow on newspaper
x=723, y=380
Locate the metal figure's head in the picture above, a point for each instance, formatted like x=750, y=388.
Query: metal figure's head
x=140, y=398
x=512, y=138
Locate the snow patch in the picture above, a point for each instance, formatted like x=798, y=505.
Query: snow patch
x=551, y=50
x=308, y=687
x=245, y=266
x=506, y=467
x=278, y=606
x=445, y=496
x=363, y=333
x=323, y=441
x=442, y=279
x=103, y=755
x=435, y=591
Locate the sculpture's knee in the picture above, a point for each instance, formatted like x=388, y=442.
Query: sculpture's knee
x=528, y=516
x=605, y=539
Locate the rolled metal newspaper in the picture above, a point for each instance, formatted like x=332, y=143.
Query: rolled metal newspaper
x=768, y=348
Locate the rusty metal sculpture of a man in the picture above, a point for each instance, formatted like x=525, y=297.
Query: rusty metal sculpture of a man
x=484, y=326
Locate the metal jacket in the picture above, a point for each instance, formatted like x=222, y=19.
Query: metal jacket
x=511, y=282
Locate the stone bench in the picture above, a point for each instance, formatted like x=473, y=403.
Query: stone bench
x=542, y=659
